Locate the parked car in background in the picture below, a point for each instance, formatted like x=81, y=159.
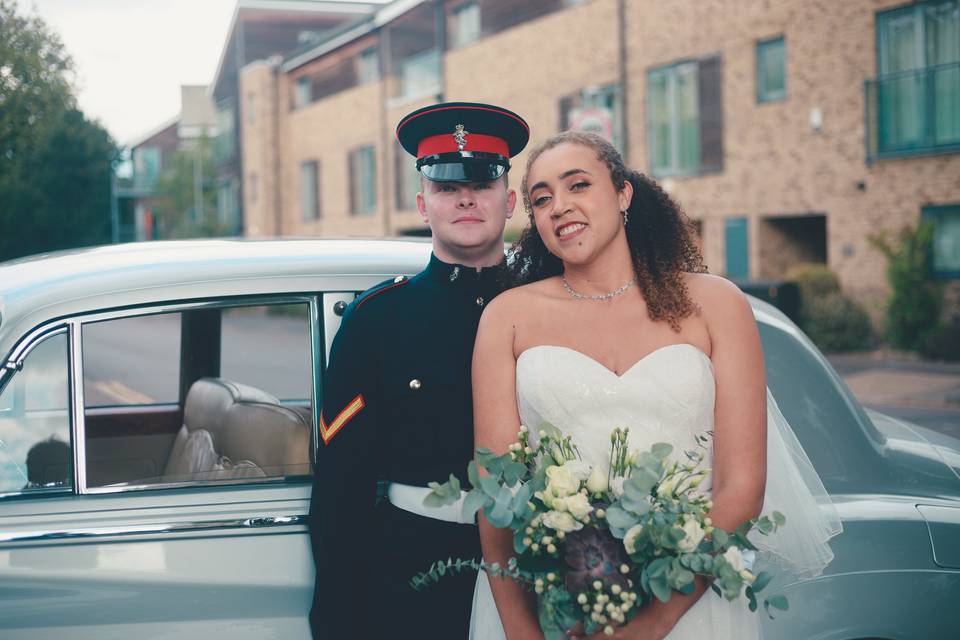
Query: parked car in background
x=158, y=421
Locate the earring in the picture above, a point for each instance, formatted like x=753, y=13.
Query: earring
x=626, y=216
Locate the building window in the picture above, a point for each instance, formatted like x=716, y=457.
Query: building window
x=737, y=246
x=253, y=188
x=146, y=167
x=304, y=92
x=251, y=108
x=596, y=110
x=408, y=180
x=363, y=181
x=368, y=66
x=771, y=70
x=466, y=25
x=419, y=75
x=946, y=240
x=916, y=97
x=685, y=118
x=309, y=190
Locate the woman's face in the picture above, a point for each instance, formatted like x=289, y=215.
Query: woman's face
x=575, y=205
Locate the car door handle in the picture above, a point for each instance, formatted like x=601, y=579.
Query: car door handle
x=274, y=521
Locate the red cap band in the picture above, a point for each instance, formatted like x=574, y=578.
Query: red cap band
x=445, y=143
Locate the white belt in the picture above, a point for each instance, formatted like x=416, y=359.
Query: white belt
x=410, y=498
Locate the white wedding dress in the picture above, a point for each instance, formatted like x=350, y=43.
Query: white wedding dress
x=668, y=396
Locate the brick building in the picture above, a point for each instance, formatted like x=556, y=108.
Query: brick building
x=789, y=130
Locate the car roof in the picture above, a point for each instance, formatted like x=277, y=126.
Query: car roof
x=44, y=287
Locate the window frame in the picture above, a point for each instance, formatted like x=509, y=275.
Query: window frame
x=77, y=409
x=355, y=162
x=765, y=95
x=675, y=170
x=931, y=214
x=317, y=212
x=457, y=14
x=14, y=365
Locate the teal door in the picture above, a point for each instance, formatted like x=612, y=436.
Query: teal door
x=738, y=261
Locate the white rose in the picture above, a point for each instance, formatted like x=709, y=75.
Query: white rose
x=735, y=558
x=578, y=505
x=579, y=469
x=694, y=534
x=630, y=539
x=616, y=485
x=560, y=481
x=597, y=482
x=561, y=521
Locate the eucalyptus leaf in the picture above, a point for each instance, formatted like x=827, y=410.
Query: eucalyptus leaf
x=620, y=521
x=752, y=599
x=661, y=450
x=660, y=588
x=513, y=472
x=473, y=473
x=500, y=515
x=763, y=579
x=779, y=518
x=778, y=602
x=490, y=486
x=474, y=501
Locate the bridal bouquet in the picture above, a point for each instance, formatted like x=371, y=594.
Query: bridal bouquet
x=596, y=543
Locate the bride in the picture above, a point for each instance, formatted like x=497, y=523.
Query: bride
x=619, y=325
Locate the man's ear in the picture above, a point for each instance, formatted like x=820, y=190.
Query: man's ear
x=511, y=202
x=422, y=208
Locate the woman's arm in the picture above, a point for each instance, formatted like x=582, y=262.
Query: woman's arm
x=496, y=423
x=740, y=433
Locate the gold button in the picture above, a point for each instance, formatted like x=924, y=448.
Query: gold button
x=415, y=384
x=479, y=301
x=400, y=279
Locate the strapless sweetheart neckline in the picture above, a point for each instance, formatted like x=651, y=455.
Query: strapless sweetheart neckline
x=642, y=361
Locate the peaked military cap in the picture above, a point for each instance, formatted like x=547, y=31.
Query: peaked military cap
x=463, y=141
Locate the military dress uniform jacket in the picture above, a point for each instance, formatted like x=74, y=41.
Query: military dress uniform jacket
x=397, y=407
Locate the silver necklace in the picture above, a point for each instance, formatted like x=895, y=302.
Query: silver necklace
x=600, y=297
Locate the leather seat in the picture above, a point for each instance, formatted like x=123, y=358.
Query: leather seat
x=244, y=424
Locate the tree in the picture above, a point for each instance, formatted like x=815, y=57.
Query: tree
x=186, y=194
x=55, y=164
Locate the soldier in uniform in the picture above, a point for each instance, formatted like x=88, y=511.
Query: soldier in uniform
x=397, y=406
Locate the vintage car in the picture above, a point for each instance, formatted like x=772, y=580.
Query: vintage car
x=158, y=418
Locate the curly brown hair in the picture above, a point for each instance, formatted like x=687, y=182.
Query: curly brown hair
x=659, y=234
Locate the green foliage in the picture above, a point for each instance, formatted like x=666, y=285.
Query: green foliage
x=836, y=323
x=913, y=309
x=55, y=165
x=814, y=280
x=833, y=321
x=184, y=211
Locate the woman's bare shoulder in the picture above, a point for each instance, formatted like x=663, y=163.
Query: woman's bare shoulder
x=716, y=296
x=516, y=302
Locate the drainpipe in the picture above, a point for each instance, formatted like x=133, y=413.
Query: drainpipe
x=276, y=147
x=386, y=137
x=622, y=67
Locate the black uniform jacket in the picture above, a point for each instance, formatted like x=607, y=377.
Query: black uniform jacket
x=397, y=407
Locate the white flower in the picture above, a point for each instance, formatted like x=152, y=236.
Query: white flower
x=747, y=576
x=597, y=482
x=630, y=538
x=579, y=469
x=735, y=558
x=694, y=534
x=616, y=485
x=578, y=505
x=665, y=488
x=561, y=521
x=561, y=481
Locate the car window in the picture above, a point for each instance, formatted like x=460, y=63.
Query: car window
x=200, y=395
x=815, y=405
x=35, y=454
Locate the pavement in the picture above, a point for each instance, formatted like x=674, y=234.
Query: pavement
x=899, y=384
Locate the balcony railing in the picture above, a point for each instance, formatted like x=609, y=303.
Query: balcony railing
x=913, y=112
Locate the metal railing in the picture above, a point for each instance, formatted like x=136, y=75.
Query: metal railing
x=913, y=112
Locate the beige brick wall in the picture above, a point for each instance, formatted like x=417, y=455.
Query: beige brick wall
x=260, y=148
x=775, y=163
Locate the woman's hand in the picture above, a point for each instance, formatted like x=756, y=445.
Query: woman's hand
x=644, y=626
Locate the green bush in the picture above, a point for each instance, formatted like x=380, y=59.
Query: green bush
x=913, y=310
x=943, y=343
x=814, y=280
x=836, y=323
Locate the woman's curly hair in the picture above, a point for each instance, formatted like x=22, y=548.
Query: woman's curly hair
x=659, y=234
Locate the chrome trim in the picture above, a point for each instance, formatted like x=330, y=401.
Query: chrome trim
x=77, y=405
x=262, y=522
x=316, y=364
x=226, y=482
x=33, y=339
x=173, y=307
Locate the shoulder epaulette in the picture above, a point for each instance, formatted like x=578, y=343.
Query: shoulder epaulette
x=378, y=289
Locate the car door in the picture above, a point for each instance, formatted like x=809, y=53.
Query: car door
x=155, y=470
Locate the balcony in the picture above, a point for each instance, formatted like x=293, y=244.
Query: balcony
x=912, y=113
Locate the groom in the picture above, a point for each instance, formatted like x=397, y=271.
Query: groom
x=397, y=405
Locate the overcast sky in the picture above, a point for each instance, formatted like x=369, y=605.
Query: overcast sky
x=131, y=56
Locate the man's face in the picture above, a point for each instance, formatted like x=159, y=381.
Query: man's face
x=467, y=218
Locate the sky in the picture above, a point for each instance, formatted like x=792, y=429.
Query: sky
x=131, y=56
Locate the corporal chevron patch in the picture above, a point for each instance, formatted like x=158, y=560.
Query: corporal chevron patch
x=327, y=431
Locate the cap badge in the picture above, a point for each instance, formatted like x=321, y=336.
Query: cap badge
x=460, y=136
